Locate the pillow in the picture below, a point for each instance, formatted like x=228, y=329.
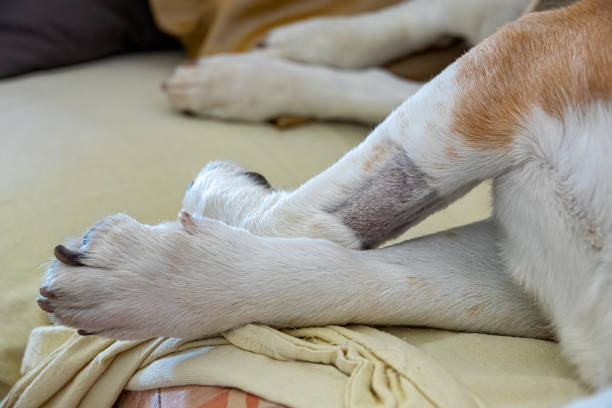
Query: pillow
x=38, y=34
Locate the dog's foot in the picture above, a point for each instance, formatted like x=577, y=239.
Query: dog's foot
x=226, y=192
x=258, y=86
x=249, y=87
x=128, y=280
x=246, y=200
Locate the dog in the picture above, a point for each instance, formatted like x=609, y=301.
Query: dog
x=530, y=107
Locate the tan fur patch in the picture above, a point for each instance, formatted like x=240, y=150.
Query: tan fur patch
x=555, y=60
x=475, y=309
x=451, y=153
x=378, y=152
x=419, y=283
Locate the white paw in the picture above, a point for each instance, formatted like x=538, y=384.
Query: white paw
x=128, y=280
x=251, y=87
x=244, y=199
x=226, y=192
x=259, y=86
x=342, y=42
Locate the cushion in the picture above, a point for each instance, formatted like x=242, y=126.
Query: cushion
x=46, y=34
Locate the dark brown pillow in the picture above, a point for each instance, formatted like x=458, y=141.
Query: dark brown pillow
x=40, y=34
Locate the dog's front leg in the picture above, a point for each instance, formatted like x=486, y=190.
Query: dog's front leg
x=129, y=280
x=414, y=163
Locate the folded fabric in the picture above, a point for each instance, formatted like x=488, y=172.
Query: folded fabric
x=331, y=366
x=191, y=396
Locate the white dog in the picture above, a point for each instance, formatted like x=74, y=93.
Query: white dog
x=531, y=107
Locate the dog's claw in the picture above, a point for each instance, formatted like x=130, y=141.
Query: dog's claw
x=45, y=291
x=45, y=304
x=67, y=256
x=82, y=332
x=187, y=222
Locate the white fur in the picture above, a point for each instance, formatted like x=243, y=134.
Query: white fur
x=560, y=249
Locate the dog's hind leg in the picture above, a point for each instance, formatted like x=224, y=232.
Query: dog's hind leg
x=463, y=272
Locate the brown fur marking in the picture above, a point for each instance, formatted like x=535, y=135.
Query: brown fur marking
x=451, y=153
x=379, y=151
x=475, y=309
x=555, y=60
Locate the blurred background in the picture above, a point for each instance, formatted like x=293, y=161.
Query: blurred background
x=41, y=35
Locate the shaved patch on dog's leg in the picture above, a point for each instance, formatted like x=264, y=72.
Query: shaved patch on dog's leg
x=395, y=197
x=388, y=201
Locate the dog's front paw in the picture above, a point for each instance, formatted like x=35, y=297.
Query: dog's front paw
x=226, y=192
x=128, y=280
x=246, y=200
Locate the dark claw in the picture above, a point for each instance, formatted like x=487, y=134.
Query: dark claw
x=188, y=112
x=45, y=304
x=84, y=332
x=258, y=179
x=67, y=256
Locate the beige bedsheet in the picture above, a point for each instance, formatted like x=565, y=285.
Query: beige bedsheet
x=81, y=143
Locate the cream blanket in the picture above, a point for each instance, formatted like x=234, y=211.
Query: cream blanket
x=88, y=141
x=330, y=366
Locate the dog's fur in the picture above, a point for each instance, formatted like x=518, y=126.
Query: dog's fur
x=531, y=107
